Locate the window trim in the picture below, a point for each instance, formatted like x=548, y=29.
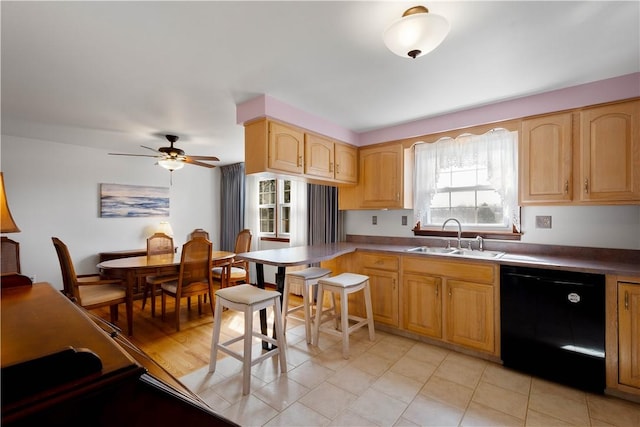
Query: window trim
x=276, y=236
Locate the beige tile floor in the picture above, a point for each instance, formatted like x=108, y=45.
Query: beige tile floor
x=393, y=381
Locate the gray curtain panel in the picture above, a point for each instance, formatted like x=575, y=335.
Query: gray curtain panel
x=323, y=214
x=232, y=204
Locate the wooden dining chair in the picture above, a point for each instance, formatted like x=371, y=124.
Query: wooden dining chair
x=199, y=232
x=10, y=256
x=236, y=271
x=157, y=244
x=90, y=290
x=194, y=278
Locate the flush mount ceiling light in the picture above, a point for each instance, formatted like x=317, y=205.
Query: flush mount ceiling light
x=416, y=33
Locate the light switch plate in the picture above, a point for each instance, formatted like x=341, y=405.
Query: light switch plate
x=543, y=221
x=404, y=220
x=374, y=220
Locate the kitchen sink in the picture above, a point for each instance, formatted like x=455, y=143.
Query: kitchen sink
x=428, y=249
x=466, y=253
x=471, y=253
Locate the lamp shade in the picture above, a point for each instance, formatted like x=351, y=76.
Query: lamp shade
x=416, y=33
x=165, y=227
x=171, y=164
x=8, y=225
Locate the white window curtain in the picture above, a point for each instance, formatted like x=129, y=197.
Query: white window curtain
x=497, y=149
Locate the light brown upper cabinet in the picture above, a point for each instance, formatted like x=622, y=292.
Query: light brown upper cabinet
x=325, y=158
x=586, y=156
x=610, y=153
x=545, y=159
x=381, y=181
x=279, y=148
x=286, y=148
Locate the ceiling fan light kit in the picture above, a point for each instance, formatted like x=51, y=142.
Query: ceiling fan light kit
x=173, y=158
x=416, y=33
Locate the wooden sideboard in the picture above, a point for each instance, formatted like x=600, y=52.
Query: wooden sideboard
x=60, y=366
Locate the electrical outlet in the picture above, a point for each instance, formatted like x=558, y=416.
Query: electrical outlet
x=404, y=220
x=374, y=220
x=543, y=221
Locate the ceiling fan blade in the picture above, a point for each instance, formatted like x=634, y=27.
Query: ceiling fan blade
x=209, y=158
x=197, y=163
x=149, y=148
x=135, y=155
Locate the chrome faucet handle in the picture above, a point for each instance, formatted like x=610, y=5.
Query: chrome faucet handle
x=469, y=245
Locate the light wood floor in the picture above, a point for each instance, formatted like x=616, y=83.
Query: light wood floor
x=178, y=352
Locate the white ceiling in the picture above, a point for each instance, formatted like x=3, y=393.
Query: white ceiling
x=114, y=75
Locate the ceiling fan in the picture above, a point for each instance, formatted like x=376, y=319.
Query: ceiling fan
x=173, y=158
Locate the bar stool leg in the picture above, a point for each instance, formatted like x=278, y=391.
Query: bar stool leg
x=344, y=317
x=217, y=320
x=248, y=338
x=319, y=310
x=277, y=316
x=367, y=302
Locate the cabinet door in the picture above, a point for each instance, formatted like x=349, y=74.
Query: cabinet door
x=545, y=160
x=381, y=176
x=422, y=304
x=629, y=334
x=346, y=163
x=384, y=295
x=319, y=156
x=610, y=153
x=286, y=146
x=470, y=315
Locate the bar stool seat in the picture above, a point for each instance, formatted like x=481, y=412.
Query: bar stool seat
x=307, y=279
x=343, y=285
x=247, y=299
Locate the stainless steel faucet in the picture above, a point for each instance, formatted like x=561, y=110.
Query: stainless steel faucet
x=480, y=243
x=459, y=229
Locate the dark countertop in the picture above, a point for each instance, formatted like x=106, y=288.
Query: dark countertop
x=590, y=260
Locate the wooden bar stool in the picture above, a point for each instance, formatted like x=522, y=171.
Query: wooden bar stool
x=343, y=285
x=248, y=299
x=306, y=278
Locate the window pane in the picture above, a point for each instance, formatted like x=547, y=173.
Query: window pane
x=267, y=220
x=285, y=218
x=463, y=178
x=267, y=194
x=287, y=192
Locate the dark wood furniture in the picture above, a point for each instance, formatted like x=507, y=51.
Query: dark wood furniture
x=194, y=278
x=130, y=269
x=128, y=253
x=63, y=368
x=157, y=244
x=239, y=269
x=10, y=256
x=91, y=290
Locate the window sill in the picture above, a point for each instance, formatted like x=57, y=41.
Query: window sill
x=469, y=234
x=274, y=239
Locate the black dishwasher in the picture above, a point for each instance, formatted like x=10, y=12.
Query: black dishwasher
x=553, y=325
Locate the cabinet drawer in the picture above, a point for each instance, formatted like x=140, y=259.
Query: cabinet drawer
x=382, y=262
x=462, y=270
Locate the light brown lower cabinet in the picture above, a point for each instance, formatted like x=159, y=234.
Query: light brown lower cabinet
x=451, y=301
x=629, y=334
x=423, y=304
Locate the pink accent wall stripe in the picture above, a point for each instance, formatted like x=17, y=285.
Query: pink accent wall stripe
x=617, y=88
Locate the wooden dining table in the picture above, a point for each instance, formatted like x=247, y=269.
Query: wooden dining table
x=129, y=270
